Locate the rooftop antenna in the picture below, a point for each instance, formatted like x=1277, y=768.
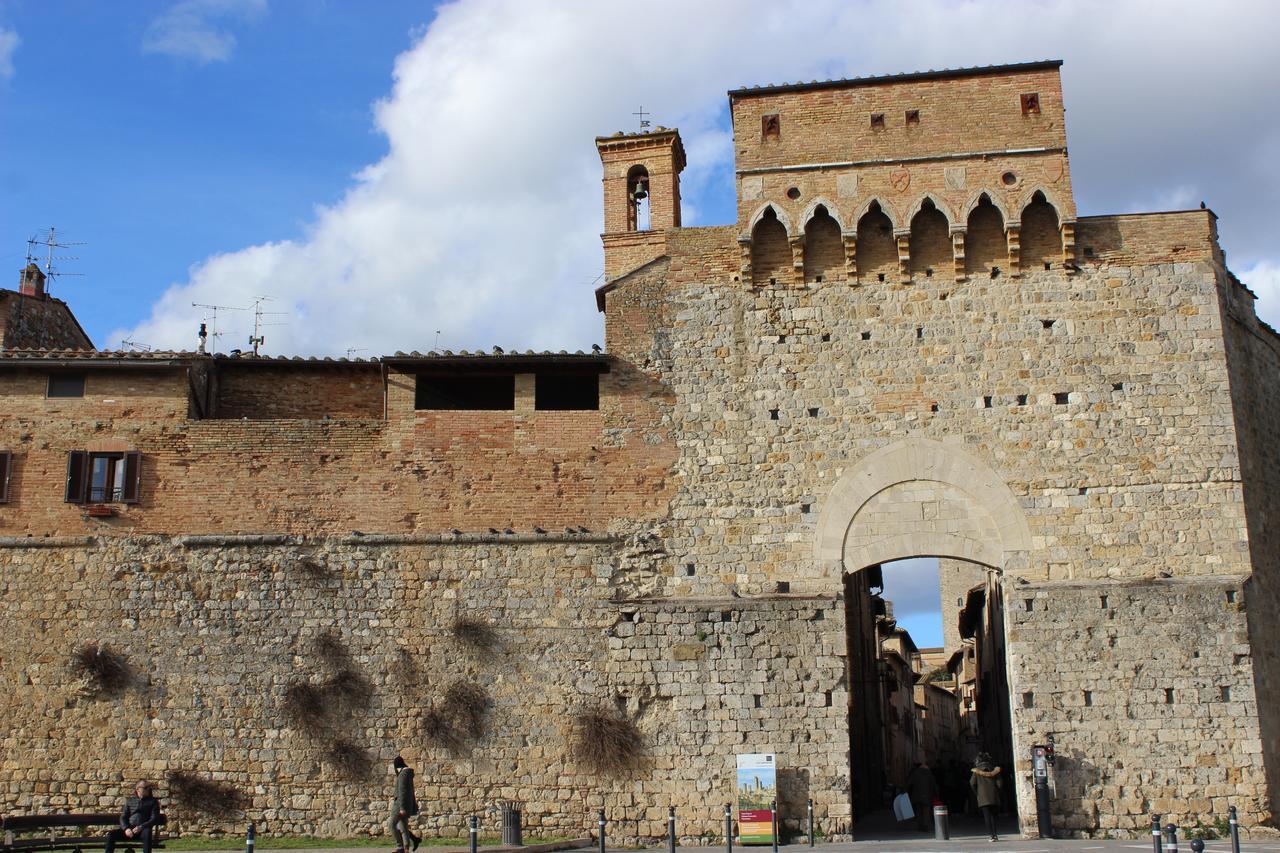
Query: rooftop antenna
x=49, y=240
x=257, y=339
x=353, y=350
x=212, y=319
x=644, y=123
x=436, y=345
x=134, y=346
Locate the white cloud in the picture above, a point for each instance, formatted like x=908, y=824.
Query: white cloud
x=196, y=29
x=1263, y=278
x=483, y=219
x=8, y=47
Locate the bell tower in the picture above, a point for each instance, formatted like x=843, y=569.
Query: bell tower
x=641, y=195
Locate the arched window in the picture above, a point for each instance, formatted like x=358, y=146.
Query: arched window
x=877, y=250
x=1041, y=239
x=638, y=199
x=823, y=249
x=770, y=251
x=930, y=240
x=985, y=245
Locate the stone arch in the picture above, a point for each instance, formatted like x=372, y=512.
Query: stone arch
x=823, y=246
x=1028, y=198
x=770, y=250
x=920, y=497
x=939, y=205
x=639, y=211
x=884, y=207
x=1041, y=234
x=985, y=244
x=877, y=251
x=930, y=238
x=778, y=213
x=812, y=208
x=991, y=197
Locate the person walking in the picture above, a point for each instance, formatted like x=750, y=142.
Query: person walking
x=985, y=782
x=404, y=807
x=138, y=818
x=922, y=790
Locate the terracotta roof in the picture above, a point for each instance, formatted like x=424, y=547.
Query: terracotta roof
x=93, y=355
x=875, y=80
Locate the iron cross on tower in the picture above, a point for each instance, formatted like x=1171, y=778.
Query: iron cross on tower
x=644, y=123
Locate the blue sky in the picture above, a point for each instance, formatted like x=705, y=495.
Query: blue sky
x=387, y=170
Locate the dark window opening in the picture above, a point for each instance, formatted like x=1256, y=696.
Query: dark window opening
x=1031, y=104
x=466, y=393
x=1048, y=265
x=1088, y=251
x=66, y=385
x=1048, y=324
x=688, y=570
x=934, y=407
x=826, y=338
x=561, y=392
x=1061, y=398
x=877, y=121
x=103, y=477
x=919, y=333
x=1117, y=386
x=1231, y=596
x=866, y=336
x=1168, y=696
x=1022, y=399
x=913, y=117
x=6, y=465
x=813, y=413
x=1028, y=700
x=995, y=272
x=1225, y=693
x=773, y=414
x=782, y=339
x=771, y=126
x=818, y=279
x=806, y=508
x=1105, y=602
x=986, y=402
x=1088, y=698
x=880, y=276
x=1029, y=603
x=782, y=586
x=793, y=193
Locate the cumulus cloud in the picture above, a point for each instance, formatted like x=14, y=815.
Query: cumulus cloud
x=483, y=219
x=198, y=29
x=1263, y=278
x=8, y=47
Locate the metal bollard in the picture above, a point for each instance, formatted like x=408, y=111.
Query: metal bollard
x=941, y=824
x=810, y=822
x=1234, y=820
x=671, y=829
x=728, y=828
x=601, y=831
x=249, y=839
x=1171, y=832
x=773, y=810
x=475, y=832
x=1155, y=833
x=1197, y=846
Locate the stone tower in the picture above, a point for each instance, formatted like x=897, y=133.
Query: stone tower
x=639, y=169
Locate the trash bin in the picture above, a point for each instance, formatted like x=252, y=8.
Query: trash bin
x=511, y=832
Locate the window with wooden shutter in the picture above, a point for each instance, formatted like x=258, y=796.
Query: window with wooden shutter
x=6, y=467
x=77, y=476
x=132, y=477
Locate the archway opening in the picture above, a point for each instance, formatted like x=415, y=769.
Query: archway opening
x=930, y=241
x=928, y=692
x=1041, y=236
x=985, y=245
x=823, y=248
x=877, y=251
x=638, y=218
x=770, y=251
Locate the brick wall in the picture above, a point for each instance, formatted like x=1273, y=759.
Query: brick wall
x=265, y=393
x=38, y=322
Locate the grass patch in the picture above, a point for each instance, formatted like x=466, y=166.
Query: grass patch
x=104, y=672
x=304, y=842
x=606, y=742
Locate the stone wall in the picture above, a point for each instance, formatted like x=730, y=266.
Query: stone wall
x=1148, y=688
x=38, y=322
x=217, y=631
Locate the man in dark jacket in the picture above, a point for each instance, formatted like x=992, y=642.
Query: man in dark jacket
x=922, y=789
x=138, y=818
x=404, y=807
x=985, y=782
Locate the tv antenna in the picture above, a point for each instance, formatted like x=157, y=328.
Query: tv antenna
x=644, y=123
x=257, y=339
x=134, y=346
x=50, y=243
x=212, y=319
x=351, y=351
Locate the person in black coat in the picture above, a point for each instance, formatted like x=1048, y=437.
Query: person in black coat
x=138, y=819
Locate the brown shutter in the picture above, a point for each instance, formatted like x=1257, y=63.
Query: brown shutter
x=6, y=465
x=77, y=476
x=132, y=476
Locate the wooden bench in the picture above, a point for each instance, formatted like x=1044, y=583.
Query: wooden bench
x=67, y=832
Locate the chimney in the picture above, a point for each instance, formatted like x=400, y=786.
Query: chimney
x=31, y=281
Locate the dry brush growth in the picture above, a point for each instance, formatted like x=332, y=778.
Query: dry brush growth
x=216, y=799
x=351, y=760
x=103, y=671
x=476, y=635
x=606, y=742
x=459, y=716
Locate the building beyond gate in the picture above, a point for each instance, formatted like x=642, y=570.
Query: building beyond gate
x=908, y=344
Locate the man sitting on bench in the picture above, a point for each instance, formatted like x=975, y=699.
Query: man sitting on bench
x=139, y=815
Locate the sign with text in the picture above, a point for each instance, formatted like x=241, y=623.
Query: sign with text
x=757, y=790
